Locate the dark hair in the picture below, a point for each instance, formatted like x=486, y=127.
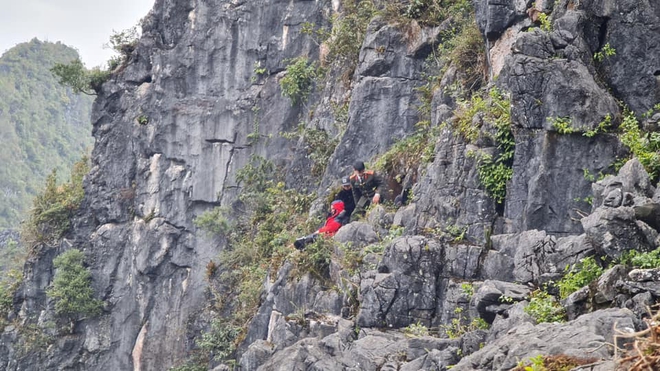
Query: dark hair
x=358, y=165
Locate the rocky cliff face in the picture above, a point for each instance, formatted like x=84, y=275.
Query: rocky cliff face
x=207, y=109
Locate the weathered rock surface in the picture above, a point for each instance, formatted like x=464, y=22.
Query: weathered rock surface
x=584, y=338
x=192, y=74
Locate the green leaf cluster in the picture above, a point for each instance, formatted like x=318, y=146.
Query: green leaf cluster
x=71, y=288
x=458, y=328
x=53, y=208
x=416, y=330
x=220, y=340
x=298, y=81
x=562, y=125
x=43, y=125
x=605, y=52
x=643, y=145
x=578, y=275
x=543, y=307
x=494, y=171
x=644, y=260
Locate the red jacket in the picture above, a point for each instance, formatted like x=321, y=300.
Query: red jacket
x=331, y=224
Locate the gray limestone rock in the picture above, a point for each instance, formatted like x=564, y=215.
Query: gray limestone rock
x=548, y=187
x=496, y=297
x=613, y=231
x=580, y=338
x=452, y=194
x=359, y=234
x=494, y=16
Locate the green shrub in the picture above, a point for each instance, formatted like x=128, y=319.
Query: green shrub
x=319, y=146
x=561, y=124
x=494, y=172
x=429, y=12
x=579, y=275
x=214, y=221
x=80, y=79
x=543, y=307
x=644, y=146
x=54, y=208
x=316, y=258
x=416, y=330
x=605, y=52
x=458, y=328
x=467, y=289
x=408, y=154
x=259, y=239
x=10, y=281
x=469, y=56
x=71, y=288
x=348, y=32
x=644, y=260
x=546, y=22
x=297, y=83
x=220, y=340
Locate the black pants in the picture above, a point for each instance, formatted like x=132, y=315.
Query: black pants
x=301, y=242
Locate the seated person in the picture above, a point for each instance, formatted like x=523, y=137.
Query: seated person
x=329, y=228
x=346, y=195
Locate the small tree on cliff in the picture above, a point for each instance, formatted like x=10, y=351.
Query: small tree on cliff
x=71, y=287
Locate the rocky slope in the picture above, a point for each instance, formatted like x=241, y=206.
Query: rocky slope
x=190, y=108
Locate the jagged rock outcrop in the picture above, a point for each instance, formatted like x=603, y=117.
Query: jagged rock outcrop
x=583, y=338
x=192, y=75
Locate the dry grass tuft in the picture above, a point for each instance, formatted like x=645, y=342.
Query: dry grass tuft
x=644, y=352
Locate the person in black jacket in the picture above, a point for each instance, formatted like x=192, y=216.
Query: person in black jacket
x=367, y=187
x=346, y=195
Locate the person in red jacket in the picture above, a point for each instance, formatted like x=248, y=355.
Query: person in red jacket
x=331, y=226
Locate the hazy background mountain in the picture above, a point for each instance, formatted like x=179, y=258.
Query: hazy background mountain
x=43, y=125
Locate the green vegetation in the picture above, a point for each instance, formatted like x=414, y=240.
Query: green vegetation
x=579, y=275
x=53, y=209
x=429, y=12
x=494, y=171
x=71, y=288
x=603, y=127
x=259, y=239
x=458, y=328
x=556, y=362
x=10, y=280
x=543, y=307
x=561, y=124
x=546, y=22
x=319, y=146
x=347, y=33
x=258, y=71
x=605, y=52
x=467, y=289
x=219, y=341
x=43, y=125
x=644, y=260
x=644, y=146
x=466, y=52
x=416, y=330
x=408, y=154
x=297, y=83
x=75, y=76
x=81, y=80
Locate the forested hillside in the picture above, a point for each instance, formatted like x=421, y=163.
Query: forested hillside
x=43, y=125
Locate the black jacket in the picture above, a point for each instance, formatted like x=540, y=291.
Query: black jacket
x=368, y=185
x=346, y=195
